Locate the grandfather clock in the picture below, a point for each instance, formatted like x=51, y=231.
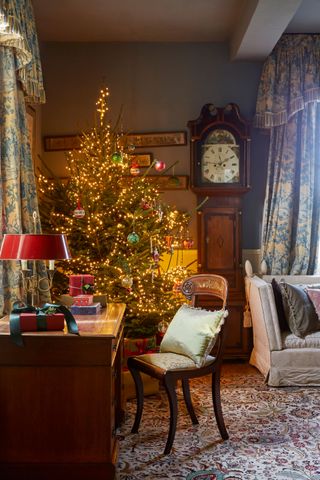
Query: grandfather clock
x=220, y=167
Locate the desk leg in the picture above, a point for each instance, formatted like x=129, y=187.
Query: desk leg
x=120, y=399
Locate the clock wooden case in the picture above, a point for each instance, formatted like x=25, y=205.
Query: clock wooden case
x=220, y=151
x=219, y=172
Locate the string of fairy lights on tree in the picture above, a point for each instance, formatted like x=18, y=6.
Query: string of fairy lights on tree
x=117, y=226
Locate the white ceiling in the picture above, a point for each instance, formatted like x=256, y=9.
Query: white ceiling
x=251, y=27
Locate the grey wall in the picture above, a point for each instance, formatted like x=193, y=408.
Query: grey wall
x=161, y=87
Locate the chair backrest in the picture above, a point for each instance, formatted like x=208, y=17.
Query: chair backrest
x=205, y=284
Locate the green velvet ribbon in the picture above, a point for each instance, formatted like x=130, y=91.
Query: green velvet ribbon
x=41, y=317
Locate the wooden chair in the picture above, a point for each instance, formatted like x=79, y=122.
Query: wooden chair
x=198, y=285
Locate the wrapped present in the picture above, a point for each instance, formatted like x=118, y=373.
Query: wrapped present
x=51, y=316
x=101, y=298
x=83, y=300
x=31, y=322
x=93, y=309
x=138, y=346
x=68, y=300
x=81, y=284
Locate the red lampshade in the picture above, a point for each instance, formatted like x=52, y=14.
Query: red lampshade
x=34, y=247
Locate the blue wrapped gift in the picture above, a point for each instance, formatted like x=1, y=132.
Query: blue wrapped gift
x=93, y=309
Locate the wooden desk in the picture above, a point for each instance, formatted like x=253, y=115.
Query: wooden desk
x=60, y=400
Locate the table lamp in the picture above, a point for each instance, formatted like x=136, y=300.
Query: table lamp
x=31, y=246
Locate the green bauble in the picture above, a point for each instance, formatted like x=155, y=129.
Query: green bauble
x=116, y=157
x=133, y=238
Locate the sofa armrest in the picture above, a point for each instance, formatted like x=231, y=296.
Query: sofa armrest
x=264, y=315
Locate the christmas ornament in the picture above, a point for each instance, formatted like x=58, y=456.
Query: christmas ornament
x=169, y=240
x=127, y=282
x=79, y=211
x=117, y=157
x=131, y=148
x=159, y=166
x=160, y=213
x=163, y=326
x=188, y=243
x=133, y=238
x=145, y=205
x=156, y=255
x=176, y=287
x=134, y=169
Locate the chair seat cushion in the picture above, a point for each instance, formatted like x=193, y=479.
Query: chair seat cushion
x=171, y=361
x=193, y=332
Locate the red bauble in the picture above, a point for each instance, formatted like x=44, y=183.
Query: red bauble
x=134, y=169
x=159, y=166
x=188, y=243
x=145, y=205
x=79, y=211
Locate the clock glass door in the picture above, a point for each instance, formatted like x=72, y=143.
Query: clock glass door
x=220, y=158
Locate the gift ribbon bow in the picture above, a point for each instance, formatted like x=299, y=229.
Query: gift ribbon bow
x=88, y=288
x=41, y=313
x=84, y=287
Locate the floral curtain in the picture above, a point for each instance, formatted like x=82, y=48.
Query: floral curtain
x=288, y=105
x=20, y=81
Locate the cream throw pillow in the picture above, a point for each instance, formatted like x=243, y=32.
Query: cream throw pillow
x=193, y=332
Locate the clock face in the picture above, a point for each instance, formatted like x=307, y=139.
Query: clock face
x=220, y=158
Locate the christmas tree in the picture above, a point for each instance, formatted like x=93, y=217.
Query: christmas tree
x=116, y=225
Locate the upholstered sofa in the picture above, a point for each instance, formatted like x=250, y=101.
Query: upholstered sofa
x=284, y=358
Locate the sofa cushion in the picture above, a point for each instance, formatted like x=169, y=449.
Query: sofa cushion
x=289, y=340
x=314, y=295
x=283, y=324
x=299, y=310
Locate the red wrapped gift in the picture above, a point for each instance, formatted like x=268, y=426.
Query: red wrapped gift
x=30, y=322
x=83, y=300
x=78, y=284
x=138, y=346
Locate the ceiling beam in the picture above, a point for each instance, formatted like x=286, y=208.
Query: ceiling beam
x=261, y=25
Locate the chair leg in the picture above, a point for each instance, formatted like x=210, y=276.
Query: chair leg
x=139, y=393
x=170, y=387
x=217, y=404
x=188, y=401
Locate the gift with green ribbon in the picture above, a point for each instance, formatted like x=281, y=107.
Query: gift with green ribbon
x=41, y=315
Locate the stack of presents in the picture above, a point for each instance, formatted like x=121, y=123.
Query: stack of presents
x=81, y=289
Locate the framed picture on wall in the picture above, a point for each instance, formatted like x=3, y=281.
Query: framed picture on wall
x=164, y=182
x=139, y=140
x=62, y=142
x=142, y=159
x=169, y=182
x=159, y=139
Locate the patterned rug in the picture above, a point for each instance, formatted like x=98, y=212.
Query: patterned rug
x=274, y=433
